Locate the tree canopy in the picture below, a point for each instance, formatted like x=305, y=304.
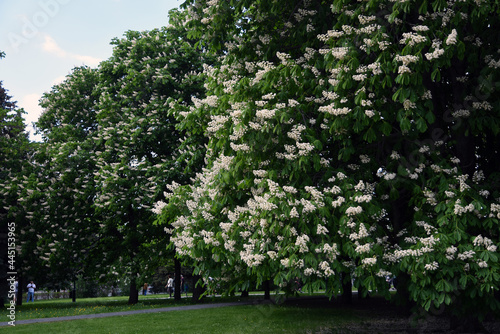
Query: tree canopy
x=15, y=150
x=348, y=139
x=109, y=143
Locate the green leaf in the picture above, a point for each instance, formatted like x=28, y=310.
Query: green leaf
x=427, y=305
x=385, y=128
x=370, y=135
x=430, y=118
x=421, y=125
x=436, y=75
x=440, y=299
x=405, y=125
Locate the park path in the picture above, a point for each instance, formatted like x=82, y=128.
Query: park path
x=113, y=314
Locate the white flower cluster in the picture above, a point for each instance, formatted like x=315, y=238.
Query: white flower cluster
x=460, y=210
x=434, y=54
x=495, y=208
x=362, y=199
x=452, y=38
x=339, y=52
x=429, y=242
x=217, y=122
x=485, y=242
x=463, y=185
x=362, y=233
x=369, y=261
x=366, y=248
x=450, y=252
x=466, y=255
x=412, y=39
x=332, y=110
x=325, y=267
x=353, y=210
x=484, y=105
x=321, y=230
x=431, y=266
x=158, y=207
x=301, y=242
x=330, y=34
x=426, y=226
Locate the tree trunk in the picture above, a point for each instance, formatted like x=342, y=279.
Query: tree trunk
x=198, y=288
x=73, y=294
x=346, y=297
x=244, y=293
x=267, y=289
x=177, y=280
x=134, y=293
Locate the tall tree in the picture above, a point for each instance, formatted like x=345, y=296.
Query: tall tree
x=110, y=138
x=14, y=155
x=64, y=207
x=349, y=138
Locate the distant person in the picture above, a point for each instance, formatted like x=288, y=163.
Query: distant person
x=184, y=285
x=31, y=292
x=145, y=289
x=170, y=285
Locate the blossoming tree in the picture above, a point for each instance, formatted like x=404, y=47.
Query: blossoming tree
x=62, y=197
x=348, y=139
x=111, y=127
x=14, y=151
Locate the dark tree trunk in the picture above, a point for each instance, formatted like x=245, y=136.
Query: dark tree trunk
x=198, y=288
x=244, y=293
x=134, y=293
x=73, y=294
x=267, y=289
x=346, y=297
x=177, y=280
x=400, y=215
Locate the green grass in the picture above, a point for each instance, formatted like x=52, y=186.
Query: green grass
x=65, y=307
x=265, y=318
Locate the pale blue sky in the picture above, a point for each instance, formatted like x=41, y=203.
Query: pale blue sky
x=44, y=39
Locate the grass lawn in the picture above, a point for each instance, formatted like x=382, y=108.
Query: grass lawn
x=265, y=318
x=65, y=307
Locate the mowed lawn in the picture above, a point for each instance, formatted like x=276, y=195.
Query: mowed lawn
x=260, y=318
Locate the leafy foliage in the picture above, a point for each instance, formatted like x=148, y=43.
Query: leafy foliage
x=347, y=137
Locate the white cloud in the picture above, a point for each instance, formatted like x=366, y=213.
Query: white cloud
x=58, y=80
x=50, y=46
x=30, y=104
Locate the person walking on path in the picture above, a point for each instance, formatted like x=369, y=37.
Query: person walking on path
x=170, y=285
x=31, y=292
x=184, y=285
